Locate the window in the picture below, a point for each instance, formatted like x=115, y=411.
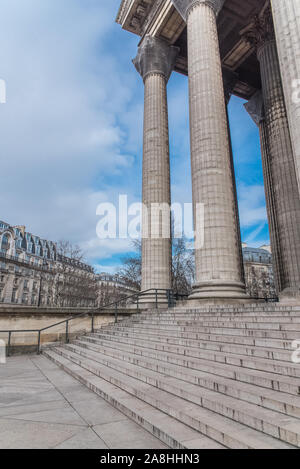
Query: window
x=5, y=242
x=14, y=297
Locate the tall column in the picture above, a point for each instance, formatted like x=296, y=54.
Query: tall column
x=218, y=272
x=155, y=62
x=286, y=15
x=255, y=108
x=229, y=80
x=283, y=200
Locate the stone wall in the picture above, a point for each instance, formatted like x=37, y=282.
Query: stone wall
x=31, y=319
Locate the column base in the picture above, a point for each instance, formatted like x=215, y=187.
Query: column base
x=220, y=293
x=290, y=296
x=148, y=301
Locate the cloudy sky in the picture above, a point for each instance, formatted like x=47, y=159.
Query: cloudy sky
x=71, y=130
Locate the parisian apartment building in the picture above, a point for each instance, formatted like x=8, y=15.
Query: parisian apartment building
x=32, y=272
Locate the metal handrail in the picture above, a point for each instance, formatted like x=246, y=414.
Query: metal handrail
x=171, y=301
x=114, y=304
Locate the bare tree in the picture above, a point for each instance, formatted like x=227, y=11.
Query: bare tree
x=131, y=272
x=260, y=281
x=75, y=282
x=182, y=267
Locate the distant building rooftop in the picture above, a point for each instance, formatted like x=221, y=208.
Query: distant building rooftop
x=261, y=255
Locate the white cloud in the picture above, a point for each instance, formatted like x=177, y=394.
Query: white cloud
x=252, y=205
x=60, y=131
x=71, y=131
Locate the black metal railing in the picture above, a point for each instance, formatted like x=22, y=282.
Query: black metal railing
x=155, y=296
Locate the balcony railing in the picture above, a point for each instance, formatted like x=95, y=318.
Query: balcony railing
x=30, y=264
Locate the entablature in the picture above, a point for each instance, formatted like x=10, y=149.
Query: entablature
x=159, y=18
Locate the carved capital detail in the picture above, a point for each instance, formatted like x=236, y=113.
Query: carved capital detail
x=184, y=6
x=261, y=29
x=255, y=108
x=155, y=56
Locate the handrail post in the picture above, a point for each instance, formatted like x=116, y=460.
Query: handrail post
x=67, y=332
x=137, y=303
x=93, y=317
x=9, y=343
x=169, y=298
x=39, y=343
x=156, y=299
x=116, y=313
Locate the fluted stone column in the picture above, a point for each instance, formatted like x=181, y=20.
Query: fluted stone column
x=218, y=272
x=282, y=193
x=229, y=81
x=286, y=15
x=255, y=108
x=155, y=62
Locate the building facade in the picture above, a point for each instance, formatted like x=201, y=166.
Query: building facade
x=249, y=48
x=111, y=288
x=259, y=273
x=32, y=272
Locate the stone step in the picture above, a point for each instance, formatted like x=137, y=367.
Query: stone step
x=265, y=420
x=273, y=400
x=223, y=429
x=237, y=308
x=280, y=344
x=157, y=334
x=265, y=364
x=218, y=314
x=192, y=325
x=181, y=318
x=238, y=322
x=170, y=431
x=244, y=361
x=195, y=348
x=251, y=316
x=192, y=332
x=275, y=381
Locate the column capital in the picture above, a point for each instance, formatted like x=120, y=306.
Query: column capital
x=155, y=56
x=261, y=30
x=184, y=6
x=255, y=108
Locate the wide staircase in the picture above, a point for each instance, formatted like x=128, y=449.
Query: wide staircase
x=213, y=377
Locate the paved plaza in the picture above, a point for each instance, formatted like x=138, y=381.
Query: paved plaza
x=43, y=407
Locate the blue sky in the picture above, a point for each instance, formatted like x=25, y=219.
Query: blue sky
x=71, y=131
